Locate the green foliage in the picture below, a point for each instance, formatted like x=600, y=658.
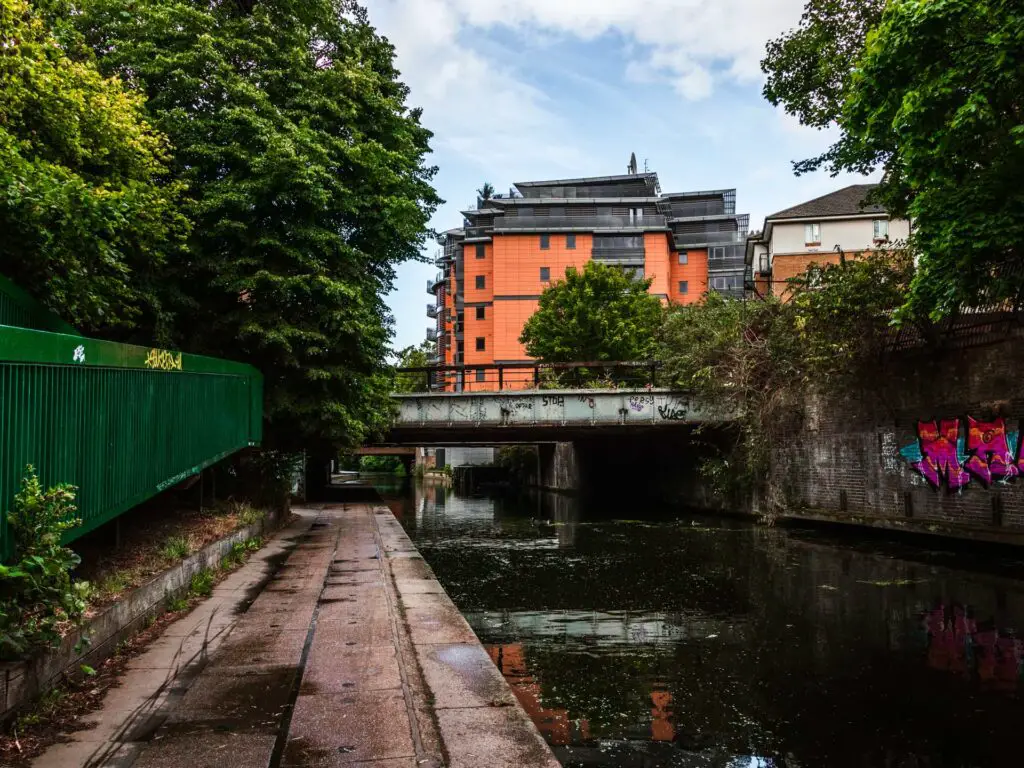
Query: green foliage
x=201, y=584
x=809, y=68
x=757, y=361
x=390, y=464
x=931, y=95
x=307, y=186
x=414, y=357
x=37, y=595
x=268, y=477
x=175, y=604
x=176, y=548
x=486, y=192
x=843, y=312
x=599, y=314
x=86, y=216
x=250, y=515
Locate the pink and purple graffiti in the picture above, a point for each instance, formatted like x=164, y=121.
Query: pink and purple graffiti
x=942, y=454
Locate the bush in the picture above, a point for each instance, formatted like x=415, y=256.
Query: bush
x=757, y=361
x=176, y=548
x=37, y=595
x=202, y=583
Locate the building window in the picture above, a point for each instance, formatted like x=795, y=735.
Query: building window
x=636, y=216
x=881, y=229
x=717, y=253
x=481, y=251
x=570, y=242
x=480, y=313
x=545, y=242
x=812, y=234
x=481, y=375
x=481, y=282
x=728, y=283
x=684, y=286
x=461, y=347
x=684, y=257
x=481, y=344
x=545, y=274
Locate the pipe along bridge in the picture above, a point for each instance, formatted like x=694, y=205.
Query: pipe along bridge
x=120, y=422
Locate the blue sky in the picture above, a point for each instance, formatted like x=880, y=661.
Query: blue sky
x=518, y=90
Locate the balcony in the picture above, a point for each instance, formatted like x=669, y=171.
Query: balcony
x=697, y=209
x=432, y=311
x=691, y=239
x=577, y=223
x=432, y=284
x=477, y=232
x=620, y=256
x=431, y=334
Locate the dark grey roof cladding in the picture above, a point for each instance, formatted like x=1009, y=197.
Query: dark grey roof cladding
x=848, y=201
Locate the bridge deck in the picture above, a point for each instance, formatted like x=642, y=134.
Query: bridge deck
x=545, y=414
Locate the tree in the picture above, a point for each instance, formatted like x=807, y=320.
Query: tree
x=414, y=357
x=86, y=220
x=809, y=68
x=758, y=361
x=307, y=186
x=486, y=192
x=934, y=101
x=599, y=314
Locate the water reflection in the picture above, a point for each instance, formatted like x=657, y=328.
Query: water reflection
x=707, y=642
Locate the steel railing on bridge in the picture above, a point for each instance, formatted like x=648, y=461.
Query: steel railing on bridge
x=535, y=375
x=120, y=422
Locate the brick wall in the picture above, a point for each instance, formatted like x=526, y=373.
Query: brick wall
x=853, y=458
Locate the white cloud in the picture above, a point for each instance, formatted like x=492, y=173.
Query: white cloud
x=691, y=43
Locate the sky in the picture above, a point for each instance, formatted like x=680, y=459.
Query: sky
x=522, y=90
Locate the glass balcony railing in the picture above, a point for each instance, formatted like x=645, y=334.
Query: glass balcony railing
x=691, y=239
x=554, y=223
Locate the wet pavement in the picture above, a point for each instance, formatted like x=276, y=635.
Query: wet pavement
x=696, y=641
x=344, y=651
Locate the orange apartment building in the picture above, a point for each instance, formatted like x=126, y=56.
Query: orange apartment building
x=511, y=247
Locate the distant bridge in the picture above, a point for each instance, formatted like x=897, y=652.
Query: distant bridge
x=629, y=404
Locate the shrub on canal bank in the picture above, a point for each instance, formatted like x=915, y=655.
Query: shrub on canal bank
x=37, y=595
x=759, y=360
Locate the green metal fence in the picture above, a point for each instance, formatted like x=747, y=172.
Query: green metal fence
x=19, y=309
x=120, y=422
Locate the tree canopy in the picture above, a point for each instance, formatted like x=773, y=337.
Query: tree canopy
x=931, y=94
x=87, y=220
x=599, y=314
x=307, y=186
x=414, y=357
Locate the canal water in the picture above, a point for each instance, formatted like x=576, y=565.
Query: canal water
x=635, y=637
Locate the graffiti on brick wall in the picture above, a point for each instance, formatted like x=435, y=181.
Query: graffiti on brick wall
x=954, y=453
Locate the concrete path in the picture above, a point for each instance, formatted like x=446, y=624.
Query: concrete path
x=350, y=655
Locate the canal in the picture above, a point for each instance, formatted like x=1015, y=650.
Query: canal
x=635, y=637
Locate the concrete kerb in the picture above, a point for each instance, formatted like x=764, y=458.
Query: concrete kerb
x=479, y=720
x=23, y=681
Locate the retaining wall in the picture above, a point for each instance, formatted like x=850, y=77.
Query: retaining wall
x=933, y=447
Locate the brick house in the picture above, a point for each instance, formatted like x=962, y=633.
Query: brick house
x=818, y=232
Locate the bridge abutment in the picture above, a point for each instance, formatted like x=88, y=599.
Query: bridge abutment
x=560, y=467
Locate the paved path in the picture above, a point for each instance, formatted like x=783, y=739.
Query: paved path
x=350, y=655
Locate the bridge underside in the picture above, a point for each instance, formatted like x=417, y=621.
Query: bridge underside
x=523, y=434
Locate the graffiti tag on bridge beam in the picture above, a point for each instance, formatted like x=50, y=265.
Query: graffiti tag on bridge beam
x=671, y=412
